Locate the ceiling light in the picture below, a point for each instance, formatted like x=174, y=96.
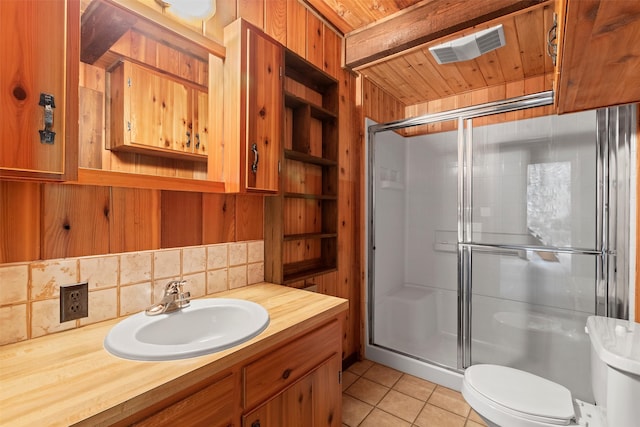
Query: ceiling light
x=190, y=9
x=469, y=47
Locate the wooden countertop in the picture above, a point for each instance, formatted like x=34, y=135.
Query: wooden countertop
x=65, y=378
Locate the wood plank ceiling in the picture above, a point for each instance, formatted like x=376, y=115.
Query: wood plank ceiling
x=414, y=76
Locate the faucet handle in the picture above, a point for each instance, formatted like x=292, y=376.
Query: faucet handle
x=174, y=287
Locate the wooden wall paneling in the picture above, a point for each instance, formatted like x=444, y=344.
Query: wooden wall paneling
x=296, y=27
x=75, y=220
x=20, y=210
x=601, y=55
x=315, y=40
x=134, y=220
x=252, y=11
x=181, y=219
x=273, y=232
x=219, y=218
x=275, y=19
x=332, y=52
x=91, y=138
x=249, y=217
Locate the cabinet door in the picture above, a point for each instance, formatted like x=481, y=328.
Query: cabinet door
x=313, y=401
x=159, y=111
x=35, y=52
x=200, y=125
x=264, y=112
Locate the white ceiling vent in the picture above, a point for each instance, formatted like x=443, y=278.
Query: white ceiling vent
x=469, y=47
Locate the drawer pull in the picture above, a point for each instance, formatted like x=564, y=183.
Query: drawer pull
x=286, y=374
x=256, y=423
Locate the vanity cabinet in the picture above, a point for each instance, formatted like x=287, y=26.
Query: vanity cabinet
x=298, y=384
x=39, y=89
x=152, y=113
x=250, y=156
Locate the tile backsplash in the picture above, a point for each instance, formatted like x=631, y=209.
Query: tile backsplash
x=119, y=284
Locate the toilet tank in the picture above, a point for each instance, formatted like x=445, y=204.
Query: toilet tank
x=615, y=368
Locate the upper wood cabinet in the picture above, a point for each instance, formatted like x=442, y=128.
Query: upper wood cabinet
x=153, y=113
x=250, y=152
x=599, y=54
x=39, y=88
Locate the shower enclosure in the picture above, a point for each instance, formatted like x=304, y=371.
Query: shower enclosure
x=493, y=243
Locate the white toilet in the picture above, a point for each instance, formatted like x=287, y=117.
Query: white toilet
x=507, y=397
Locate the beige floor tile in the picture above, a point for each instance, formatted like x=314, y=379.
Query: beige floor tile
x=473, y=416
x=401, y=405
x=348, y=378
x=432, y=416
x=360, y=367
x=367, y=391
x=450, y=400
x=354, y=411
x=414, y=387
x=378, y=418
x=382, y=375
x=474, y=424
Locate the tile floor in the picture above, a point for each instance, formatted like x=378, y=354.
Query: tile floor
x=378, y=396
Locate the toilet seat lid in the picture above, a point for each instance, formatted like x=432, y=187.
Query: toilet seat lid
x=529, y=395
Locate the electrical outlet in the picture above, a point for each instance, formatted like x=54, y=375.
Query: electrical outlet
x=74, y=301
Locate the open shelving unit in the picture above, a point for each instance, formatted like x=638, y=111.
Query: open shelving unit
x=301, y=222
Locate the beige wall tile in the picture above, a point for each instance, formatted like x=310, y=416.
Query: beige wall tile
x=103, y=305
x=217, y=257
x=166, y=264
x=45, y=318
x=47, y=276
x=14, y=324
x=255, y=251
x=194, y=260
x=135, y=267
x=99, y=272
x=134, y=298
x=217, y=281
x=237, y=253
x=255, y=273
x=196, y=284
x=14, y=282
x=237, y=277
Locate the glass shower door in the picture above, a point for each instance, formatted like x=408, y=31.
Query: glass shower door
x=531, y=245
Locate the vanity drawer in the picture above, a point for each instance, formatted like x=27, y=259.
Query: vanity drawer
x=272, y=373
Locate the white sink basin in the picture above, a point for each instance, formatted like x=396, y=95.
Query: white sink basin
x=205, y=326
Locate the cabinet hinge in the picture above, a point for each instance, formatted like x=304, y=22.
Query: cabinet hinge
x=279, y=166
x=129, y=81
x=129, y=126
x=339, y=377
x=281, y=71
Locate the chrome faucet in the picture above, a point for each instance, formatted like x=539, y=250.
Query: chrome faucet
x=175, y=298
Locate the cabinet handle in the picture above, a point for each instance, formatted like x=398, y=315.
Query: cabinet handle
x=254, y=165
x=286, y=374
x=197, y=141
x=256, y=423
x=47, y=135
x=188, y=139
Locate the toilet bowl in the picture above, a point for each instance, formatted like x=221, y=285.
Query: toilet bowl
x=507, y=397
